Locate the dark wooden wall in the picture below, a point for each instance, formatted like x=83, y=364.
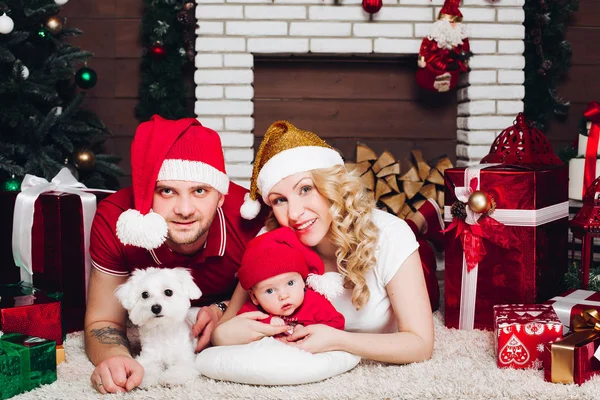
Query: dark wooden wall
x=582, y=84
x=112, y=32
x=345, y=100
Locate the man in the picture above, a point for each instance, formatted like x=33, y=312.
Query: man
x=181, y=211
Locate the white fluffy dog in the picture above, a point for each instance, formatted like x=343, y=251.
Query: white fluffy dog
x=158, y=301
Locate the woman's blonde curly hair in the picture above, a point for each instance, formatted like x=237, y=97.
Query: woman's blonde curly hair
x=352, y=230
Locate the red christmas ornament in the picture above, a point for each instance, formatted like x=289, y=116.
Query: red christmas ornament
x=444, y=53
x=158, y=49
x=521, y=143
x=372, y=6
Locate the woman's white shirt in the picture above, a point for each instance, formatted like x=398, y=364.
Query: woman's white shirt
x=395, y=243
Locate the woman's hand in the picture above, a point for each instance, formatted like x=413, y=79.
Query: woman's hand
x=245, y=328
x=315, y=338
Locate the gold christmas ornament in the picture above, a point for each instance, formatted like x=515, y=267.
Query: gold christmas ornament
x=84, y=159
x=54, y=25
x=188, y=6
x=480, y=202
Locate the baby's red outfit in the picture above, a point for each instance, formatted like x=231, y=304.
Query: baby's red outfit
x=315, y=309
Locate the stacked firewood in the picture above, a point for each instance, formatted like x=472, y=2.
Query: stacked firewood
x=400, y=192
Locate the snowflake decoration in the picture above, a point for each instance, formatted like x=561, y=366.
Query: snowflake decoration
x=540, y=347
x=537, y=364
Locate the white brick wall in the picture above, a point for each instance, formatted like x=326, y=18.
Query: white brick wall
x=230, y=32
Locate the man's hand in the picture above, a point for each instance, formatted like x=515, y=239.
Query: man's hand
x=117, y=374
x=206, y=321
x=245, y=328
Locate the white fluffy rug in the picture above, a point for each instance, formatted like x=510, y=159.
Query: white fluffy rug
x=462, y=367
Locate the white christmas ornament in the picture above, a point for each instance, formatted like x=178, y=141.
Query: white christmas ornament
x=25, y=72
x=61, y=2
x=6, y=24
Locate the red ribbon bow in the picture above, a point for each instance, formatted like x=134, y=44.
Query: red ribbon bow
x=592, y=113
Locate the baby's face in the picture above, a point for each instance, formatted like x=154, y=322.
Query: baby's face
x=279, y=295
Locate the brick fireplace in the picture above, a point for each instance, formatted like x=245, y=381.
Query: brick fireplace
x=232, y=32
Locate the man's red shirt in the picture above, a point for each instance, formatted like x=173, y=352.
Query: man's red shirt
x=214, y=267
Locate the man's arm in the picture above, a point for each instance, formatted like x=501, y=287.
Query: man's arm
x=105, y=319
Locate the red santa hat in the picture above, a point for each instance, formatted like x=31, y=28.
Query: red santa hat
x=450, y=11
x=280, y=251
x=163, y=149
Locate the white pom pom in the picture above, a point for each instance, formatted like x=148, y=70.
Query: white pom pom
x=146, y=231
x=250, y=208
x=330, y=284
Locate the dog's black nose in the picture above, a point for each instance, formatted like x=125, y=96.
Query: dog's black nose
x=156, y=309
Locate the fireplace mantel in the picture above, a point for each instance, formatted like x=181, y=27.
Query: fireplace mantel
x=230, y=33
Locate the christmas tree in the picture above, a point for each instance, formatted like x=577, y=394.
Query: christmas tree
x=43, y=79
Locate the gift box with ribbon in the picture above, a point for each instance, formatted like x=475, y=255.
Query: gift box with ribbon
x=570, y=305
x=507, y=226
x=30, y=312
x=26, y=362
x=586, y=166
x=520, y=333
x=576, y=358
x=49, y=235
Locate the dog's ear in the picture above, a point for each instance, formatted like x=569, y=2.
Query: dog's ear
x=125, y=293
x=187, y=283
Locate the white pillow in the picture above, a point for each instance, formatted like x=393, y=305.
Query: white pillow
x=270, y=362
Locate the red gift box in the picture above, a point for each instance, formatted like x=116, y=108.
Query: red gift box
x=521, y=330
x=522, y=253
x=572, y=303
x=27, y=311
x=59, y=255
x=576, y=358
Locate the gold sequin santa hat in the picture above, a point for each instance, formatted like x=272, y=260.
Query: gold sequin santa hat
x=285, y=150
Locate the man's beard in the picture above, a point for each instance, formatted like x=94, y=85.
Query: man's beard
x=446, y=35
x=203, y=228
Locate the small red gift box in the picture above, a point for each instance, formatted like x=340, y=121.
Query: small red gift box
x=521, y=330
x=572, y=303
x=522, y=243
x=58, y=255
x=28, y=311
x=576, y=358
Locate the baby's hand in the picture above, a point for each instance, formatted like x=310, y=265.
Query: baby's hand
x=276, y=321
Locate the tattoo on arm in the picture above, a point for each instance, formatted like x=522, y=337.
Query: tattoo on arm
x=110, y=335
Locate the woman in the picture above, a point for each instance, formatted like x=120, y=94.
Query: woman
x=384, y=299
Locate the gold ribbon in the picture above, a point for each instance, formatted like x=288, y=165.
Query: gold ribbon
x=587, y=329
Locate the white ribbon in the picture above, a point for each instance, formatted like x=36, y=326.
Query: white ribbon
x=31, y=188
x=563, y=305
x=542, y=216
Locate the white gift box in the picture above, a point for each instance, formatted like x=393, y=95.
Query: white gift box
x=576, y=171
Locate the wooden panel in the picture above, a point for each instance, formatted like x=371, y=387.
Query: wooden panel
x=588, y=14
x=565, y=130
x=127, y=77
x=98, y=35
x=90, y=9
x=356, y=80
x=585, y=45
x=105, y=69
x=582, y=84
x=128, y=39
x=368, y=118
x=121, y=112
x=129, y=8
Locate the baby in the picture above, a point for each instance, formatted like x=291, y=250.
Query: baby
x=274, y=269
